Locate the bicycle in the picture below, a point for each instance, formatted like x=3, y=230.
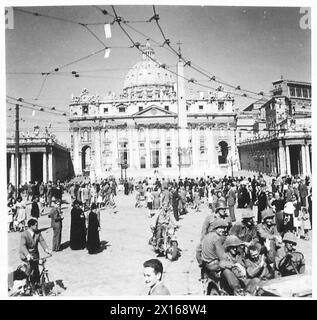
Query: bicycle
x=28, y=288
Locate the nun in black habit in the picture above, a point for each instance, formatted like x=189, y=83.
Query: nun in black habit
x=77, y=227
x=93, y=241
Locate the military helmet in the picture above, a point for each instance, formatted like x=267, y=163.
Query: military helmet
x=267, y=213
x=232, y=241
x=290, y=237
x=220, y=204
x=219, y=223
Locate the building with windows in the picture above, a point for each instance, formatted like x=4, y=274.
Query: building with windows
x=41, y=158
x=152, y=126
x=282, y=142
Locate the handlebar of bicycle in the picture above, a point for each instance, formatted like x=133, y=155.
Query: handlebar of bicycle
x=43, y=258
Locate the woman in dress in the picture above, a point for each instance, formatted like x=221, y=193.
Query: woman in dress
x=77, y=227
x=93, y=241
x=20, y=214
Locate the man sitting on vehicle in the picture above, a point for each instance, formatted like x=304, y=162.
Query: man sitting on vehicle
x=161, y=220
x=246, y=229
x=233, y=267
x=221, y=213
x=29, y=252
x=267, y=231
x=290, y=261
x=212, y=249
x=259, y=266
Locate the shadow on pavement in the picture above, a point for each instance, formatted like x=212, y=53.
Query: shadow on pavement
x=103, y=245
x=64, y=245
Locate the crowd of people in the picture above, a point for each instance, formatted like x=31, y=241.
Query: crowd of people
x=276, y=214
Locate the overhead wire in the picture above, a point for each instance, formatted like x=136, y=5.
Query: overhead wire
x=137, y=45
x=191, y=65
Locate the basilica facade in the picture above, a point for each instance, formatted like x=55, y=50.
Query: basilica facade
x=152, y=128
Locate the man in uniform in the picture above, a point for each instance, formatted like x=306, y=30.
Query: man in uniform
x=233, y=267
x=212, y=248
x=290, y=261
x=267, y=232
x=220, y=212
x=246, y=229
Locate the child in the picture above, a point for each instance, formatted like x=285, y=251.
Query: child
x=306, y=225
x=149, y=201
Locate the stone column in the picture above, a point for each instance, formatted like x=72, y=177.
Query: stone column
x=97, y=147
x=308, y=166
x=114, y=148
x=163, y=148
x=131, y=148
x=282, y=159
x=304, y=160
x=147, y=147
x=288, y=161
x=195, y=147
x=28, y=166
x=174, y=145
x=50, y=165
x=23, y=168
x=45, y=171
x=12, y=172
x=76, y=152
x=135, y=138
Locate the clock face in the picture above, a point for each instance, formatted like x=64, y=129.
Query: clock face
x=84, y=98
x=153, y=111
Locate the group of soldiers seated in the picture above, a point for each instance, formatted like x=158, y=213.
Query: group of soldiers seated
x=244, y=255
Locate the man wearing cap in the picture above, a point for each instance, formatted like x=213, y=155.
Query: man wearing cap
x=245, y=230
x=29, y=251
x=289, y=261
x=220, y=212
x=56, y=224
x=233, y=266
x=212, y=248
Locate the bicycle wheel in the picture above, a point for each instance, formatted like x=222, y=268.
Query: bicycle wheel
x=44, y=284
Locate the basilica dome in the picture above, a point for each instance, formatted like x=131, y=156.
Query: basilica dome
x=148, y=73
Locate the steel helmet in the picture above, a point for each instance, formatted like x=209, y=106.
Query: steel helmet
x=266, y=213
x=290, y=237
x=220, y=204
x=219, y=223
x=232, y=241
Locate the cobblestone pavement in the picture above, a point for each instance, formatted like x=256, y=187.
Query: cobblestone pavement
x=118, y=270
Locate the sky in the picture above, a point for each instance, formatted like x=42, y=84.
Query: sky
x=245, y=46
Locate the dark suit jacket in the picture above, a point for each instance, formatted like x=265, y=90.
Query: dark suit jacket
x=29, y=245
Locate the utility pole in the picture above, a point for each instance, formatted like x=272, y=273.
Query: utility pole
x=17, y=141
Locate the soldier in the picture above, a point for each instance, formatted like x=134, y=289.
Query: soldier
x=233, y=266
x=220, y=212
x=259, y=266
x=267, y=232
x=246, y=229
x=290, y=261
x=212, y=248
